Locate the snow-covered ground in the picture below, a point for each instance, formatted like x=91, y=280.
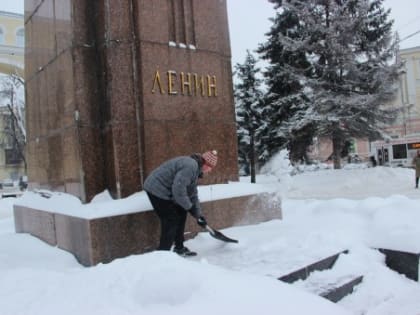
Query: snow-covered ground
x=324, y=211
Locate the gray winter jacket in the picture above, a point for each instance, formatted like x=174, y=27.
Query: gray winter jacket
x=177, y=180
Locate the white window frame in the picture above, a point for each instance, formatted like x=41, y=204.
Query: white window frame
x=20, y=40
x=2, y=34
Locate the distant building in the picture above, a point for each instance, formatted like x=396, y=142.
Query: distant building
x=408, y=123
x=12, y=43
x=404, y=132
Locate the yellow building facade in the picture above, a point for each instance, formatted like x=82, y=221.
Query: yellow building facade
x=12, y=46
x=12, y=43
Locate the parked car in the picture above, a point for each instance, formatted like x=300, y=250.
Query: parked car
x=10, y=188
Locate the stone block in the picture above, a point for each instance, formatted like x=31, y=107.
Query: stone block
x=304, y=272
x=103, y=239
x=336, y=293
x=38, y=223
x=405, y=263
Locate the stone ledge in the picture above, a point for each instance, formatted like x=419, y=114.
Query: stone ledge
x=402, y=262
x=336, y=293
x=303, y=273
x=102, y=240
x=38, y=223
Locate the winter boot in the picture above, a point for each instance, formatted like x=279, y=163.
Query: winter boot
x=184, y=252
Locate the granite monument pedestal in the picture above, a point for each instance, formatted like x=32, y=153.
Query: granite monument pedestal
x=113, y=89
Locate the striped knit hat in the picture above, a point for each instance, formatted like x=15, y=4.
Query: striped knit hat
x=210, y=158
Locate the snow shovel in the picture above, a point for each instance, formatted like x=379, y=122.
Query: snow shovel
x=219, y=235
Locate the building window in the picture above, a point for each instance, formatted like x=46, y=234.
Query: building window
x=399, y=151
x=1, y=36
x=13, y=156
x=20, y=37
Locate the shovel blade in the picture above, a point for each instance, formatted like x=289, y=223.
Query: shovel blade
x=220, y=236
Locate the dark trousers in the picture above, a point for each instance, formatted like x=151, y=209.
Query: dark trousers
x=172, y=222
x=417, y=182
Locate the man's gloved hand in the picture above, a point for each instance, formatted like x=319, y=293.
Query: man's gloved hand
x=201, y=221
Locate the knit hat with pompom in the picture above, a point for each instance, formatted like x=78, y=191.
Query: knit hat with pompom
x=210, y=158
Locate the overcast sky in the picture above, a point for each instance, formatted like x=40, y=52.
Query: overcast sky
x=248, y=22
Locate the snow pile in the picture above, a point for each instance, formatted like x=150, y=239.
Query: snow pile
x=103, y=205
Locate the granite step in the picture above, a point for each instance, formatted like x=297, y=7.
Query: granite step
x=304, y=272
x=406, y=263
x=331, y=286
x=336, y=292
x=321, y=278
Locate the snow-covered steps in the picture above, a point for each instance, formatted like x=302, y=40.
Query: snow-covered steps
x=304, y=272
x=403, y=262
x=336, y=292
x=321, y=278
x=330, y=285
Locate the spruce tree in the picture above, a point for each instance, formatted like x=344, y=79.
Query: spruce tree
x=286, y=103
x=349, y=73
x=248, y=103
